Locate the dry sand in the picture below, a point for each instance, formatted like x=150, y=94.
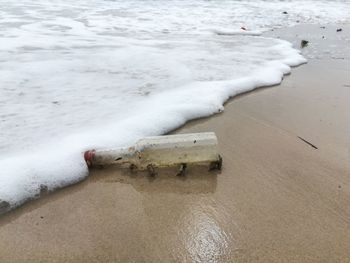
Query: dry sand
x=277, y=199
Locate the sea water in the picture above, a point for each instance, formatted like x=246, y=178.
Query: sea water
x=77, y=75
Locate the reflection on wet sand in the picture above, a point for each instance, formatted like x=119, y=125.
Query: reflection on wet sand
x=182, y=220
x=205, y=239
x=193, y=226
x=198, y=180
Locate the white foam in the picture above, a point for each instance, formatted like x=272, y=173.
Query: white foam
x=84, y=75
x=226, y=32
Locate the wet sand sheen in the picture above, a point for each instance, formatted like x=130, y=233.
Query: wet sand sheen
x=277, y=198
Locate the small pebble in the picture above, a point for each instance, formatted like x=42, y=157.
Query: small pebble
x=304, y=43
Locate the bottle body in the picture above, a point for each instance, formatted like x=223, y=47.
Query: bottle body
x=161, y=151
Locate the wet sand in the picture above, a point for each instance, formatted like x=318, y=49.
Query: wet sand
x=277, y=199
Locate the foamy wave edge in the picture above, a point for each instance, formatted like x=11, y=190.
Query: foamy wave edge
x=26, y=176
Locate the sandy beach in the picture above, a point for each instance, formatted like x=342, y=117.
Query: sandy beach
x=283, y=194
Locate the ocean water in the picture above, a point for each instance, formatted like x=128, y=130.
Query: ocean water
x=77, y=75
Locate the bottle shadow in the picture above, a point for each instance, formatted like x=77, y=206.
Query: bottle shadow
x=196, y=180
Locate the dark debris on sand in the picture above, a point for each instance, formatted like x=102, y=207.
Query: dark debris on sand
x=304, y=43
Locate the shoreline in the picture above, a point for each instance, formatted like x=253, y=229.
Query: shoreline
x=276, y=199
